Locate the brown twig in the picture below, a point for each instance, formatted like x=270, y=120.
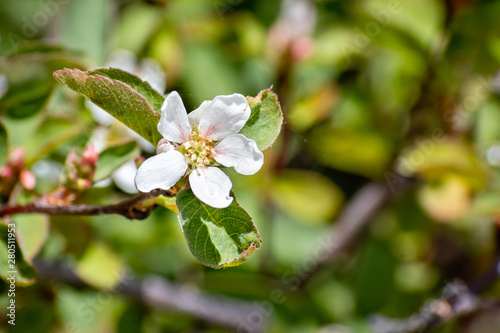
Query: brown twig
x=130, y=208
x=158, y=293
x=456, y=301
x=352, y=221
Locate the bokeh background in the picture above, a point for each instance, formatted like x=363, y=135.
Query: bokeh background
x=398, y=96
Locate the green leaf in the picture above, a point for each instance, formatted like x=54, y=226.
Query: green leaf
x=217, y=237
x=266, y=119
x=77, y=34
x=32, y=232
x=154, y=98
x=50, y=134
x=25, y=274
x=209, y=73
x=366, y=153
x=309, y=197
x=114, y=157
x=29, y=76
x=132, y=101
x=100, y=267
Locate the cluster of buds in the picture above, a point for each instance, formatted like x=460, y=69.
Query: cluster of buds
x=79, y=171
x=15, y=171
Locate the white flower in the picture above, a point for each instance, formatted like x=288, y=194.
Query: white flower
x=197, y=144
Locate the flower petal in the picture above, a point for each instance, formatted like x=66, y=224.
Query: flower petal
x=223, y=116
x=239, y=152
x=99, y=115
x=211, y=185
x=194, y=116
x=174, y=123
x=161, y=171
x=163, y=146
x=124, y=177
x=151, y=71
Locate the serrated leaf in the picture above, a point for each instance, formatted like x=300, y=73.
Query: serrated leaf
x=154, y=98
x=266, y=119
x=25, y=274
x=114, y=157
x=122, y=99
x=217, y=237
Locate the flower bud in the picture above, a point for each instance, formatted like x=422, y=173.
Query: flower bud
x=6, y=172
x=16, y=158
x=90, y=156
x=27, y=179
x=139, y=160
x=163, y=146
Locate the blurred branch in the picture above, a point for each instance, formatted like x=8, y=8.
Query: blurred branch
x=161, y=294
x=130, y=208
x=353, y=220
x=456, y=301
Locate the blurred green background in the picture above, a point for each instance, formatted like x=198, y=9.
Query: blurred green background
x=372, y=91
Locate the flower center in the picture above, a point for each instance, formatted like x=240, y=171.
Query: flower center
x=198, y=150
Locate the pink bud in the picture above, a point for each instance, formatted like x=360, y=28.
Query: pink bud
x=27, y=179
x=16, y=158
x=139, y=160
x=72, y=158
x=90, y=156
x=6, y=172
x=302, y=48
x=84, y=184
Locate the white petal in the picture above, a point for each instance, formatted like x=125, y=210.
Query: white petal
x=163, y=146
x=194, y=116
x=98, y=139
x=239, y=152
x=152, y=72
x=124, y=177
x=143, y=143
x=99, y=115
x=161, y=171
x=174, y=123
x=124, y=60
x=223, y=116
x=211, y=186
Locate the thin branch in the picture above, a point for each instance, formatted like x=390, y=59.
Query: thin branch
x=456, y=301
x=160, y=294
x=352, y=221
x=128, y=207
